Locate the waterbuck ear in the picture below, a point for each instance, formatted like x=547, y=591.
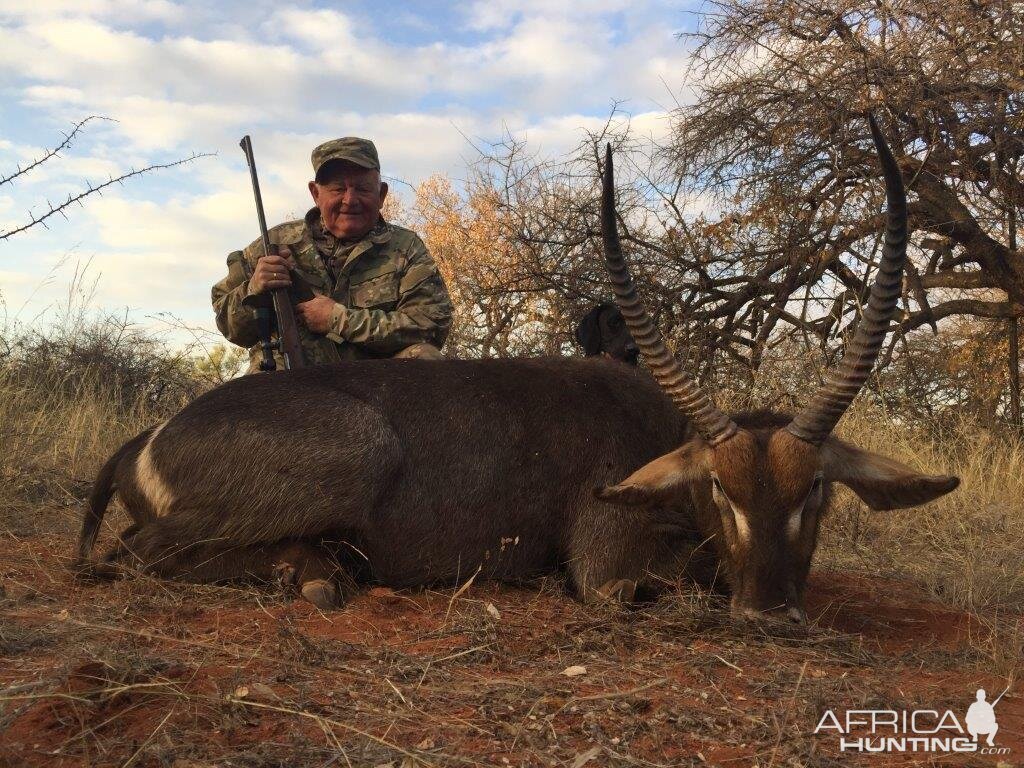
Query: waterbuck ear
x=588, y=334
x=881, y=483
x=659, y=480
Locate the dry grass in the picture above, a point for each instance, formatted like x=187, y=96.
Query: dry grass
x=137, y=673
x=64, y=432
x=965, y=547
x=55, y=439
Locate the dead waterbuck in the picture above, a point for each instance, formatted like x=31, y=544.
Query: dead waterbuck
x=435, y=470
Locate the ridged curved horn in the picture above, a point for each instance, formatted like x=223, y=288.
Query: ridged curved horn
x=817, y=420
x=713, y=425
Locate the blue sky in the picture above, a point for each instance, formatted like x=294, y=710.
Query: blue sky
x=182, y=77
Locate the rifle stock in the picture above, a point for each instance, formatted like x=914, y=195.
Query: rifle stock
x=261, y=310
x=287, y=330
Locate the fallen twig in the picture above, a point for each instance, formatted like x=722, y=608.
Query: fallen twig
x=621, y=694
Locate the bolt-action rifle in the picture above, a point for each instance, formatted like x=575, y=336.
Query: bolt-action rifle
x=287, y=331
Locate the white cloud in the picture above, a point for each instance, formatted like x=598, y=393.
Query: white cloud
x=486, y=15
x=315, y=59
x=555, y=50
x=124, y=11
x=10, y=278
x=322, y=29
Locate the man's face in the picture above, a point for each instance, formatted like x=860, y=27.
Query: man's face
x=349, y=198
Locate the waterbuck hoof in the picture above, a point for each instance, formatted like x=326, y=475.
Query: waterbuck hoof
x=622, y=590
x=90, y=572
x=84, y=570
x=285, y=574
x=321, y=593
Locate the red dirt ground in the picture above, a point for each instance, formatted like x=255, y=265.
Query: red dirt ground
x=149, y=673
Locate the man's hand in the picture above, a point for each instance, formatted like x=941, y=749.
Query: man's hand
x=316, y=313
x=272, y=272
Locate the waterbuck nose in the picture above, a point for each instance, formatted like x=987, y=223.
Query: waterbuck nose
x=797, y=615
x=792, y=613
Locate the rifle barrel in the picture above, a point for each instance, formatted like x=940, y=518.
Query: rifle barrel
x=246, y=145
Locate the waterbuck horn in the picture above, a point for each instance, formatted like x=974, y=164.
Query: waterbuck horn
x=714, y=425
x=817, y=420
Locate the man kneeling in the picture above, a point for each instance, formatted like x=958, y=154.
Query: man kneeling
x=371, y=289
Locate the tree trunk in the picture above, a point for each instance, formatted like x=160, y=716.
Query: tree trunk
x=1014, y=373
x=1012, y=338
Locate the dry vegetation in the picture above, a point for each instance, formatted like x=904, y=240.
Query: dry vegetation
x=965, y=548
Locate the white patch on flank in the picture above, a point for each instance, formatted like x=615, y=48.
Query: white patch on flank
x=150, y=483
x=742, y=526
x=794, y=523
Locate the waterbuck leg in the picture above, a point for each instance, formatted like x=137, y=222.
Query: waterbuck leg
x=621, y=590
x=110, y=566
x=680, y=560
x=608, y=554
x=310, y=567
x=292, y=562
x=317, y=573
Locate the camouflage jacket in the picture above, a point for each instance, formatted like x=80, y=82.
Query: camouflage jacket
x=388, y=290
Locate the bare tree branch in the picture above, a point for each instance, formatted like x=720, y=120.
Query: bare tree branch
x=68, y=138
x=90, y=190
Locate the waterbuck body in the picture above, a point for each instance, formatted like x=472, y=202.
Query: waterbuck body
x=428, y=469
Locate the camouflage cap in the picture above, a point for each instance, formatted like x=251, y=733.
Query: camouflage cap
x=362, y=152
